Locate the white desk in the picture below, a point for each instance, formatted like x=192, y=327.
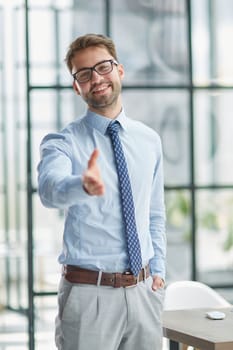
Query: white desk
x=193, y=328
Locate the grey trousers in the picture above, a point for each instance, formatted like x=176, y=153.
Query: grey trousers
x=105, y=318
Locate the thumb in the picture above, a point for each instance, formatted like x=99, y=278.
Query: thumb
x=93, y=159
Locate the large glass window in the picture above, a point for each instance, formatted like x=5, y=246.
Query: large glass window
x=167, y=112
x=1, y=127
x=60, y=23
x=2, y=165
x=156, y=37
x=212, y=103
x=215, y=236
x=211, y=36
x=179, y=235
x=213, y=137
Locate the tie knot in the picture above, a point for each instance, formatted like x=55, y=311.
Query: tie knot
x=113, y=127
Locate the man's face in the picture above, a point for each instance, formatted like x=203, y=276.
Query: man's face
x=101, y=92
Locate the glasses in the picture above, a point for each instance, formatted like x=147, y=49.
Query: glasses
x=104, y=67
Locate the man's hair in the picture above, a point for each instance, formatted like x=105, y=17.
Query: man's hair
x=89, y=40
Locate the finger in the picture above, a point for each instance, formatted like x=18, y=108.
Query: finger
x=93, y=158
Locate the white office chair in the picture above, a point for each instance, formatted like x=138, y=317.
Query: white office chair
x=192, y=294
x=182, y=295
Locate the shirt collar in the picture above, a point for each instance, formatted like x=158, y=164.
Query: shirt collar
x=101, y=123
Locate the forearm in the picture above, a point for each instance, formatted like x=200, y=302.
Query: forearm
x=158, y=222
x=58, y=192
x=159, y=241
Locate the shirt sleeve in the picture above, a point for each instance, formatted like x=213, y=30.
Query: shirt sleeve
x=57, y=186
x=157, y=220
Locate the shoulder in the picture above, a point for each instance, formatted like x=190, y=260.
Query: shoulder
x=64, y=135
x=63, y=139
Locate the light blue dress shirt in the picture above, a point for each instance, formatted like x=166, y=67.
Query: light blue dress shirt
x=94, y=236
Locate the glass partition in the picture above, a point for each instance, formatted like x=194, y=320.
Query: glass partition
x=3, y=233
x=213, y=135
x=167, y=112
x=211, y=36
x=179, y=235
x=61, y=24
x=158, y=53
x=178, y=81
x=215, y=236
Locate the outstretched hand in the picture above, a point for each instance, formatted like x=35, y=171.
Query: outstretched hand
x=92, y=181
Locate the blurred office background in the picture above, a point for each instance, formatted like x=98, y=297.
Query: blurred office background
x=178, y=57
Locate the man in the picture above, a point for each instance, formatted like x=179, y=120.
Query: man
x=111, y=292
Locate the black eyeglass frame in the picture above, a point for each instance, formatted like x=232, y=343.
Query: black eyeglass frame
x=91, y=69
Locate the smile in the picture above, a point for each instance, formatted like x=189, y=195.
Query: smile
x=100, y=88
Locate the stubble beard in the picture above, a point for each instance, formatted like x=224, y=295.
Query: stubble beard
x=105, y=101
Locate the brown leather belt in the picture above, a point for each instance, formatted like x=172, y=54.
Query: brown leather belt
x=75, y=274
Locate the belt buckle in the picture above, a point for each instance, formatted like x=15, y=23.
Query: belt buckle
x=131, y=285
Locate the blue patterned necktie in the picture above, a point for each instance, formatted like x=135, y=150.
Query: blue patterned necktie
x=127, y=202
